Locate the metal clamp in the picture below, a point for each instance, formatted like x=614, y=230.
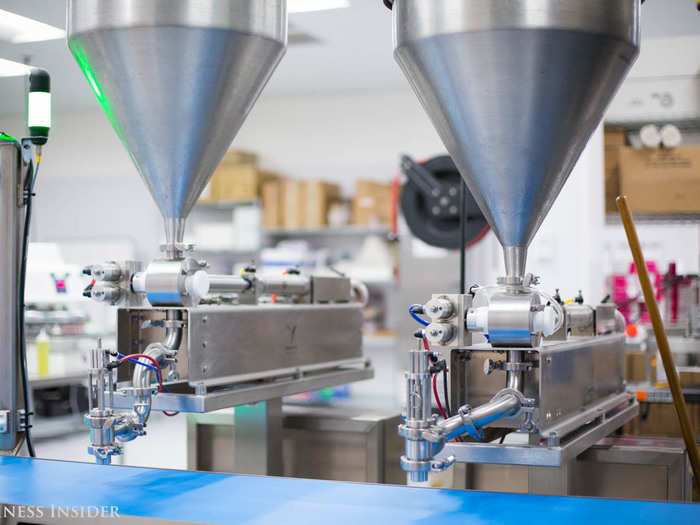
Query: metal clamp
x=441, y=465
x=163, y=323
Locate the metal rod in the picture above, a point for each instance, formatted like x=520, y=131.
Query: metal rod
x=462, y=238
x=468, y=421
x=661, y=338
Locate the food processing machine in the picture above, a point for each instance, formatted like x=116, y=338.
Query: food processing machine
x=198, y=341
x=515, y=111
x=176, y=84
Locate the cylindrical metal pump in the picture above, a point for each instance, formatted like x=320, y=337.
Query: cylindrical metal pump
x=418, y=410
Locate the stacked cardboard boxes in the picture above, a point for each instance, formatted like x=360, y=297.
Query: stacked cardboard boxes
x=237, y=178
x=663, y=181
x=656, y=181
x=372, y=203
x=292, y=204
x=661, y=420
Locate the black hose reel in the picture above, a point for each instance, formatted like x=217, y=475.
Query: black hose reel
x=430, y=203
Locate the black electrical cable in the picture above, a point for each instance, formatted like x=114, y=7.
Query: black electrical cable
x=29, y=193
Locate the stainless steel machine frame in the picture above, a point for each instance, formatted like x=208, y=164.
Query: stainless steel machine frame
x=218, y=355
x=566, y=393
x=10, y=248
x=232, y=344
x=614, y=467
x=318, y=442
x=515, y=90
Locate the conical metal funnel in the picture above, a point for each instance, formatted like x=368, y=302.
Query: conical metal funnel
x=177, y=79
x=515, y=88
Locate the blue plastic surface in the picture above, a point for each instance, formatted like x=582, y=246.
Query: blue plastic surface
x=223, y=498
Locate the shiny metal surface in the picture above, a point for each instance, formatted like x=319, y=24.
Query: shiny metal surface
x=575, y=374
x=225, y=284
x=417, y=451
x=289, y=382
x=177, y=78
x=165, y=282
x=10, y=228
x=515, y=90
x=635, y=468
x=472, y=421
x=567, y=377
x=318, y=442
x=511, y=318
x=231, y=344
x=615, y=467
x=543, y=455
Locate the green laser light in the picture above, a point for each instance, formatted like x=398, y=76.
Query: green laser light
x=39, y=106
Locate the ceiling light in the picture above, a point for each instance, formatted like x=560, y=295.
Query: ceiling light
x=18, y=29
x=9, y=68
x=306, y=6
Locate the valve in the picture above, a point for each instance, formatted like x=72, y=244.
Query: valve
x=440, y=333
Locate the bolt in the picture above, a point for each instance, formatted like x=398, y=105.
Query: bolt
x=204, y=320
x=436, y=210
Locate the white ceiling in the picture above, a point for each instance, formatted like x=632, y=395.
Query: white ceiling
x=353, y=51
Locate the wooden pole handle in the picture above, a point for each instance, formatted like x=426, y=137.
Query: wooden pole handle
x=661, y=338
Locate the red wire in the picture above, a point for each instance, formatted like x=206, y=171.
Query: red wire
x=153, y=361
x=437, y=397
x=159, y=375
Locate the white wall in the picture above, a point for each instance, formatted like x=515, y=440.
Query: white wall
x=89, y=188
x=341, y=136
x=664, y=82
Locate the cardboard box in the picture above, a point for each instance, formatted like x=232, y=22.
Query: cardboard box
x=237, y=178
x=371, y=205
x=660, y=419
x=293, y=199
x=319, y=198
x=636, y=366
x=272, y=204
x=661, y=180
x=614, y=139
x=237, y=156
x=689, y=378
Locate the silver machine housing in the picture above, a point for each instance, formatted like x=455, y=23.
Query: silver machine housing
x=515, y=89
x=177, y=78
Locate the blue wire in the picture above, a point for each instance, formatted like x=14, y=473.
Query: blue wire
x=415, y=316
x=147, y=365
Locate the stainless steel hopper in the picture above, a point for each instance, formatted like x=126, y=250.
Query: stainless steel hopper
x=515, y=88
x=177, y=79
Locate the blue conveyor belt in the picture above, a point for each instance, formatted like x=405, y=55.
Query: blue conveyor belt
x=223, y=498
